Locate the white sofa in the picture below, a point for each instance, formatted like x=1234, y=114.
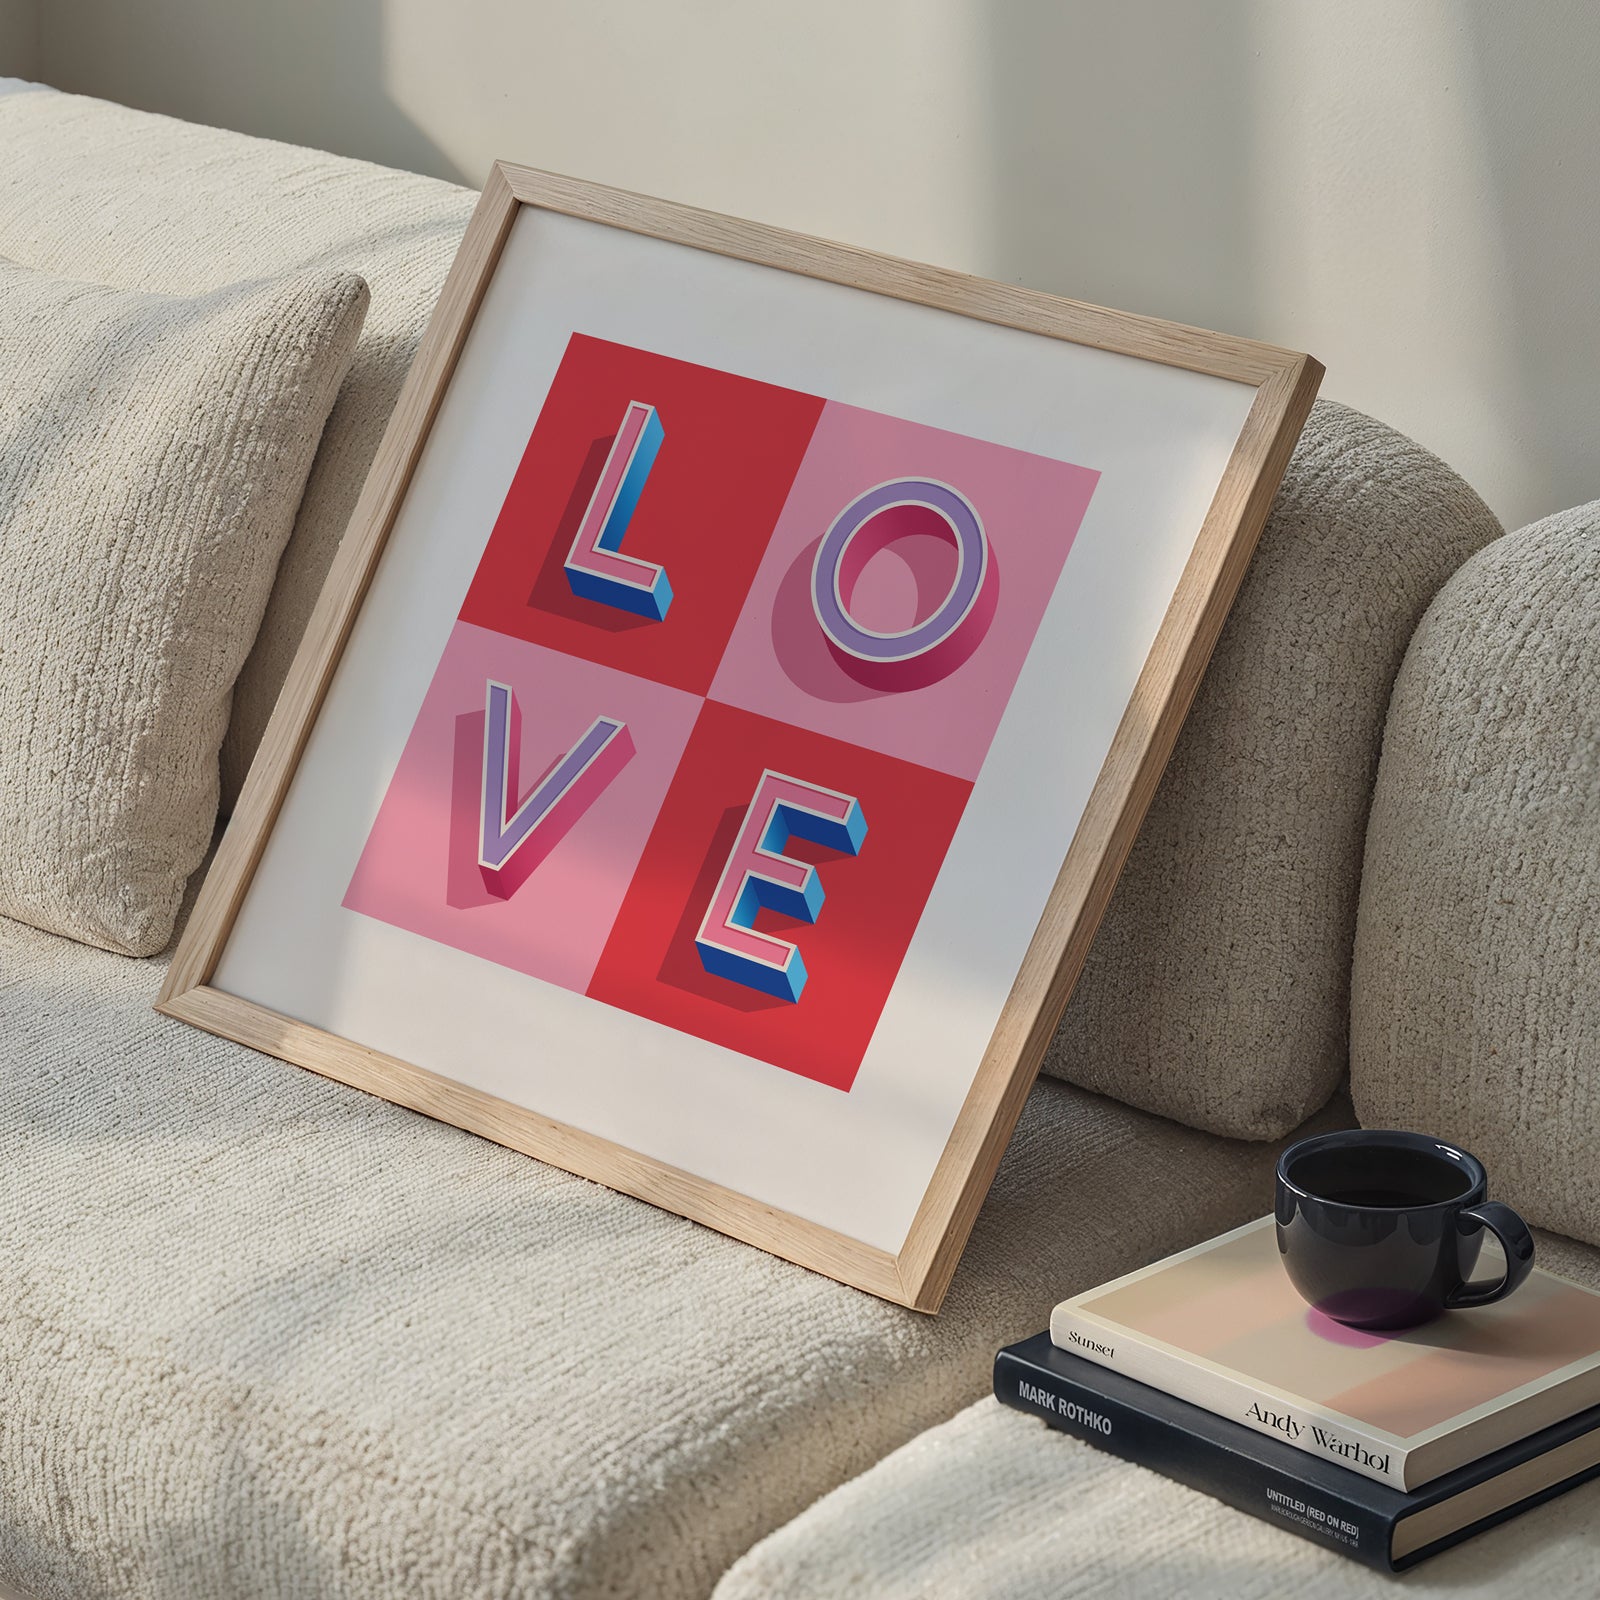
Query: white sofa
x=261, y=1335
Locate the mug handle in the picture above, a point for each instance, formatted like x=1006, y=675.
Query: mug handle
x=1515, y=1240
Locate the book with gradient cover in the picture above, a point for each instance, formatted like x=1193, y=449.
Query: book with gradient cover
x=1305, y=1494
x=1221, y=1326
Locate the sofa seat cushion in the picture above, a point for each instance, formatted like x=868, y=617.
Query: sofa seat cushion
x=94, y=190
x=1217, y=989
x=1475, y=995
x=261, y=1334
x=994, y=1505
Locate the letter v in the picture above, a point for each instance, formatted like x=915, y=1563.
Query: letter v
x=511, y=844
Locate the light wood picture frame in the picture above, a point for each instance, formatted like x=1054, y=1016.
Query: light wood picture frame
x=1200, y=429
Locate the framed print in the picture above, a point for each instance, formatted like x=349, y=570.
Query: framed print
x=740, y=685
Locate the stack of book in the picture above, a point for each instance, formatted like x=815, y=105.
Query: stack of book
x=1208, y=1367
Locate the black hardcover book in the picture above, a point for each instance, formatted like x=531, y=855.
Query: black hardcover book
x=1355, y=1515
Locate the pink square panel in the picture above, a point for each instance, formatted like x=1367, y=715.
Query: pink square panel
x=940, y=710
x=420, y=868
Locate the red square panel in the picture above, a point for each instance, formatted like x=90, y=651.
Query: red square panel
x=852, y=952
x=729, y=452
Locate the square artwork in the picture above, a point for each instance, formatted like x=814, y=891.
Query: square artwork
x=723, y=680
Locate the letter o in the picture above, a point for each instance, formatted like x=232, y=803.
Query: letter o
x=851, y=539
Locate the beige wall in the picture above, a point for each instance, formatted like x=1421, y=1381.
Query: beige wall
x=1404, y=187
x=19, y=46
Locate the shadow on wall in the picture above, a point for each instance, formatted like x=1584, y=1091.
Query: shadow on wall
x=19, y=50
x=1545, y=175
x=1405, y=190
x=1246, y=168
x=1092, y=196
x=229, y=65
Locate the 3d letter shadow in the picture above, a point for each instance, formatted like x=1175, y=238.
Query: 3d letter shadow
x=508, y=840
x=758, y=874
x=596, y=567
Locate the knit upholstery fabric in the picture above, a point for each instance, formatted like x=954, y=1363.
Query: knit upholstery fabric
x=152, y=452
x=264, y=1335
x=147, y=202
x=1217, y=989
x=995, y=1505
x=1476, y=988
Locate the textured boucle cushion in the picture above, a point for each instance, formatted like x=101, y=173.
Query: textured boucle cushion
x=1216, y=990
x=154, y=451
x=262, y=1335
x=94, y=190
x=1475, y=1007
x=994, y=1505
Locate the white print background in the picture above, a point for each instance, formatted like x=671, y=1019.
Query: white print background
x=857, y=1162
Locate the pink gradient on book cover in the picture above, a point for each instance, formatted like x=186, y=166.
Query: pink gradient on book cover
x=851, y=592
x=1233, y=1304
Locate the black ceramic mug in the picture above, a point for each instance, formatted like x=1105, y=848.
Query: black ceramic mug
x=1380, y=1229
